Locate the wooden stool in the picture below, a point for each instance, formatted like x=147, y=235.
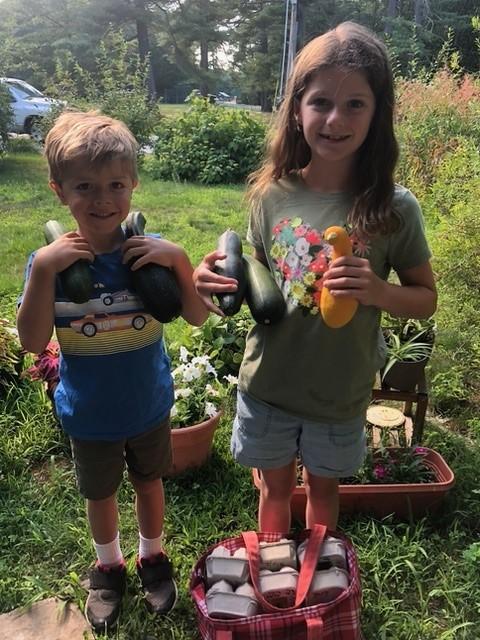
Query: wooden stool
x=419, y=398
x=389, y=426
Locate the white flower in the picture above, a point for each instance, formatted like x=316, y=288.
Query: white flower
x=231, y=379
x=210, y=409
x=173, y=411
x=184, y=353
x=183, y=393
x=210, y=390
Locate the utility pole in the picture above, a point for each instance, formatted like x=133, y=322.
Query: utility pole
x=290, y=45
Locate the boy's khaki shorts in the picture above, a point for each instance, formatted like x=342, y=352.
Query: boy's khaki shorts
x=99, y=464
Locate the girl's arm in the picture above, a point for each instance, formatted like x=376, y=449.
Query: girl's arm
x=35, y=317
x=415, y=297
x=167, y=254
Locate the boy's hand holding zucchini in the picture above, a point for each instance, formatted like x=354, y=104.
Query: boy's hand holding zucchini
x=156, y=285
x=76, y=280
x=255, y=283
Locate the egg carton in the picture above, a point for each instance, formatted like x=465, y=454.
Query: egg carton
x=220, y=565
x=275, y=555
x=332, y=553
x=327, y=585
x=279, y=587
x=223, y=602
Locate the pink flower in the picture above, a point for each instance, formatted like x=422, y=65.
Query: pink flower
x=379, y=471
x=420, y=451
x=313, y=237
x=45, y=365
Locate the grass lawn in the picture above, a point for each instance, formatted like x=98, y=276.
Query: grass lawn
x=420, y=579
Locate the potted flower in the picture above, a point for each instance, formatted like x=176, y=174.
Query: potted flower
x=409, y=347
x=405, y=481
x=199, y=395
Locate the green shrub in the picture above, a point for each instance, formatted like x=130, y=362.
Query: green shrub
x=208, y=144
x=6, y=116
x=455, y=240
x=117, y=87
x=432, y=117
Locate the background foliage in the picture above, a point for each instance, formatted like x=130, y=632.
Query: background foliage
x=230, y=45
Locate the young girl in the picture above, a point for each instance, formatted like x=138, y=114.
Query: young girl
x=304, y=387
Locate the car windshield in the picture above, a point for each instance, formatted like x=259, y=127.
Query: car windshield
x=26, y=90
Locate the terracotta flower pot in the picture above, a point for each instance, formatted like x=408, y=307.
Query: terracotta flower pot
x=404, y=500
x=191, y=446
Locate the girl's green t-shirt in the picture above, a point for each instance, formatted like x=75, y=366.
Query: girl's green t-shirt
x=300, y=365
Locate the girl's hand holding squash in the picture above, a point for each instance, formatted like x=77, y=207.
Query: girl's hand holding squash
x=207, y=282
x=350, y=276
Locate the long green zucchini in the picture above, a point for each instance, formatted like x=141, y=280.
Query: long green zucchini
x=230, y=244
x=156, y=285
x=76, y=280
x=264, y=298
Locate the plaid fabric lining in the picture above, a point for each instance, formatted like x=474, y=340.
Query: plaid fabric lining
x=340, y=618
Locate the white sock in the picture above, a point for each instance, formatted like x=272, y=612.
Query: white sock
x=110, y=553
x=149, y=546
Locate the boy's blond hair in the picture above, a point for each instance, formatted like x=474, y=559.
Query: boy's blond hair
x=90, y=137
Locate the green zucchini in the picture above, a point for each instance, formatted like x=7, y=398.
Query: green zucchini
x=264, y=298
x=76, y=280
x=156, y=285
x=231, y=266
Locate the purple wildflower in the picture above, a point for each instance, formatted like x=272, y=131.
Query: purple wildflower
x=379, y=471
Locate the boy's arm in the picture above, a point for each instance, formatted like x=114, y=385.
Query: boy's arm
x=35, y=316
x=145, y=249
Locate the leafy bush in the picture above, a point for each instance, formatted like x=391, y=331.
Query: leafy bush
x=11, y=354
x=208, y=144
x=432, y=117
x=453, y=200
x=117, y=88
x=6, y=116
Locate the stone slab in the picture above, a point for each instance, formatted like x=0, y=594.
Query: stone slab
x=49, y=619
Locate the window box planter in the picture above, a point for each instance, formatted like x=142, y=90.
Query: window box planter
x=405, y=501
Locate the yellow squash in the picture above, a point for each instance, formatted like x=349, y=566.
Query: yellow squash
x=337, y=312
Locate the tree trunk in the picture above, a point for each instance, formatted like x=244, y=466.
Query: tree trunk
x=391, y=14
x=204, y=66
x=144, y=47
x=420, y=12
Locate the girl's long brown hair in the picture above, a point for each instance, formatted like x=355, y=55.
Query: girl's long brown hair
x=353, y=47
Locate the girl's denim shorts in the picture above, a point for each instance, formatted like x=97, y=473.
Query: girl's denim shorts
x=268, y=438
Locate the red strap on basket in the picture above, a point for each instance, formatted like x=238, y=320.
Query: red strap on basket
x=317, y=534
x=221, y=634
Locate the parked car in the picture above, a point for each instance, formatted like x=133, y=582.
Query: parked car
x=29, y=106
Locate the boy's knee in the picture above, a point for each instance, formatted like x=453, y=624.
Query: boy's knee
x=145, y=487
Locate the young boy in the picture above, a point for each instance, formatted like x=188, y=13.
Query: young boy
x=115, y=390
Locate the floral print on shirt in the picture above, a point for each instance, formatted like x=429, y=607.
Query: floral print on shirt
x=301, y=257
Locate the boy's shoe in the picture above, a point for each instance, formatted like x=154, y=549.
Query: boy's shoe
x=156, y=575
x=107, y=586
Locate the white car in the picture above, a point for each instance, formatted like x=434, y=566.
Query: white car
x=29, y=106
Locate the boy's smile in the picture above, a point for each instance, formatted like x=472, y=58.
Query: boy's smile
x=99, y=199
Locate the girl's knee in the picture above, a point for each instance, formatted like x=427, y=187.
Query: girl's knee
x=319, y=486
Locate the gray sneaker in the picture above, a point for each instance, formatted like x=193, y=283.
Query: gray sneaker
x=107, y=586
x=156, y=575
